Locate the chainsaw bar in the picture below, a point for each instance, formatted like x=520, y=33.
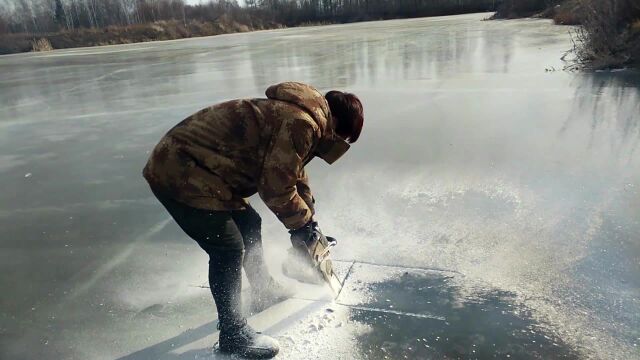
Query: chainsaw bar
x=324, y=264
x=326, y=268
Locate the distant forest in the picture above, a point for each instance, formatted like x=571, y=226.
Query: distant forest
x=47, y=16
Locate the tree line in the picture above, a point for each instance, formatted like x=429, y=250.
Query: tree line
x=46, y=16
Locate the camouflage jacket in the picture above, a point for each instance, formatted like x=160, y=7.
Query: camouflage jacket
x=219, y=156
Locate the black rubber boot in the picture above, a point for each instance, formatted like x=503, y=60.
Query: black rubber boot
x=246, y=342
x=236, y=336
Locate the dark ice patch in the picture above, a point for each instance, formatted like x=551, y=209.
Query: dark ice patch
x=427, y=314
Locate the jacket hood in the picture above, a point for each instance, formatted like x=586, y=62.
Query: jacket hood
x=331, y=147
x=308, y=98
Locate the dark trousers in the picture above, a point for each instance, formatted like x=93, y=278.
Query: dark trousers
x=227, y=237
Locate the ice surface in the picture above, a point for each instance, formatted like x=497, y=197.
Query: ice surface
x=509, y=195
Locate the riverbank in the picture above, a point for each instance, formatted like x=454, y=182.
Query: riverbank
x=113, y=35
x=562, y=12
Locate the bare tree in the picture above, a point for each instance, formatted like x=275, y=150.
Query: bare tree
x=4, y=20
x=59, y=13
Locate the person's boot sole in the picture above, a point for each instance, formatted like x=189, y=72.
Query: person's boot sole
x=246, y=352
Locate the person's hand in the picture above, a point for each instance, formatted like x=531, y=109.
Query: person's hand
x=310, y=248
x=304, y=239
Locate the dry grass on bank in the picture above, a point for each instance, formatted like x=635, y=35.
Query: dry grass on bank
x=609, y=36
x=513, y=9
x=41, y=45
x=563, y=12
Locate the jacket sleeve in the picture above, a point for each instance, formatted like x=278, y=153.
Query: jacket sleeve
x=280, y=173
x=305, y=191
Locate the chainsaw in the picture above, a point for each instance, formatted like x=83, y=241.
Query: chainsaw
x=313, y=264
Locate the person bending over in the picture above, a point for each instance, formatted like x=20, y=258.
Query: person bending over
x=205, y=167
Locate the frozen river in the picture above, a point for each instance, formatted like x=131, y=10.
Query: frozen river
x=490, y=209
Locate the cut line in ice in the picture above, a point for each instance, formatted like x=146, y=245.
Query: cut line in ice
x=395, y=312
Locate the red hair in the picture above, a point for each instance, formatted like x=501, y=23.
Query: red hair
x=347, y=110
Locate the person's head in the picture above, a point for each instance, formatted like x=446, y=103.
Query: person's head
x=348, y=118
x=348, y=114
